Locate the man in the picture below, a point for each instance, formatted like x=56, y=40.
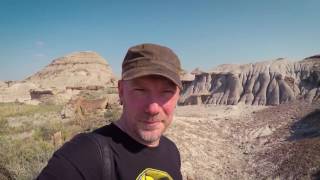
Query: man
x=133, y=147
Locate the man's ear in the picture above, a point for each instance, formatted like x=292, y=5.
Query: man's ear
x=120, y=90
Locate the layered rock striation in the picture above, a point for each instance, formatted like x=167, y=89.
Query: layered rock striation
x=264, y=83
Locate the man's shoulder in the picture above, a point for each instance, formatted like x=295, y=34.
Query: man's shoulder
x=86, y=147
x=86, y=143
x=107, y=130
x=86, y=155
x=168, y=142
x=80, y=149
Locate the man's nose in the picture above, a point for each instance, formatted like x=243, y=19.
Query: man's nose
x=153, y=108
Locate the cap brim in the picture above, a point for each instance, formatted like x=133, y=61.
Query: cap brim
x=152, y=70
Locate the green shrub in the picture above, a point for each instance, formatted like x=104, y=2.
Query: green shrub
x=24, y=158
x=3, y=126
x=45, y=131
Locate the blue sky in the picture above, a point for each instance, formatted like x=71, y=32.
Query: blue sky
x=203, y=33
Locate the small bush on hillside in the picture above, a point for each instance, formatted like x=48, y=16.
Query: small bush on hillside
x=24, y=127
x=113, y=114
x=46, y=131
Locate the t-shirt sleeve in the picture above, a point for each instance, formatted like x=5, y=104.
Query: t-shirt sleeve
x=79, y=158
x=59, y=168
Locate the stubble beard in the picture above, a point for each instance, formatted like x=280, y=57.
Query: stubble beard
x=152, y=135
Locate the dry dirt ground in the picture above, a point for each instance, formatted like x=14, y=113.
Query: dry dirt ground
x=248, y=142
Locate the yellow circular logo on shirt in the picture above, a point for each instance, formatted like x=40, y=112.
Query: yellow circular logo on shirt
x=153, y=174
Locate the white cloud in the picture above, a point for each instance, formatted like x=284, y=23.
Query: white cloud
x=39, y=55
x=40, y=43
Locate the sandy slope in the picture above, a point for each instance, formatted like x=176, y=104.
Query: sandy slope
x=239, y=142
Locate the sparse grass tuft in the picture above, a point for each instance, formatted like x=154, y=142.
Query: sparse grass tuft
x=18, y=109
x=45, y=131
x=26, y=133
x=24, y=158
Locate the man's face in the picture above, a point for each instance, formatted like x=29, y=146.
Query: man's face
x=148, y=107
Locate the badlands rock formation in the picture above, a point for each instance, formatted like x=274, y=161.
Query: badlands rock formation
x=80, y=106
x=2, y=84
x=16, y=92
x=60, y=80
x=264, y=83
x=80, y=69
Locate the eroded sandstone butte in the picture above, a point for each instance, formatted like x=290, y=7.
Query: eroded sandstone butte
x=80, y=69
x=61, y=79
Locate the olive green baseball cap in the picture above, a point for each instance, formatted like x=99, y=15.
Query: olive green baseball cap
x=151, y=59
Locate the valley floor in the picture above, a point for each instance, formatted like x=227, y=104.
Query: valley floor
x=248, y=142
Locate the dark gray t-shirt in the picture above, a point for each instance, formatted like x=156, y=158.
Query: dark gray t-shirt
x=84, y=158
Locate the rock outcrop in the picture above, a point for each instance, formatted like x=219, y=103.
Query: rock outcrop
x=2, y=84
x=60, y=80
x=16, y=92
x=80, y=106
x=264, y=83
x=80, y=69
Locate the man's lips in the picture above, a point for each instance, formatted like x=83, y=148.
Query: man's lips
x=151, y=122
